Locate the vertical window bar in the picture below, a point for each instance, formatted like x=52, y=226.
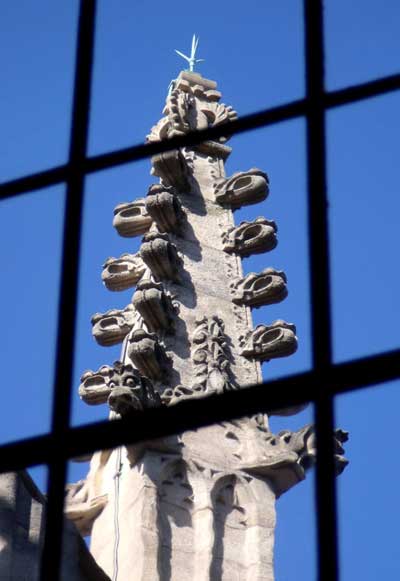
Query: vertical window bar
x=51, y=555
x=320, y=287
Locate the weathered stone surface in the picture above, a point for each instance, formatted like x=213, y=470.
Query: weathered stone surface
x=270, y=341
x=188, y=519
x=163, y=207
x=191, y=106
x=160, y=255
x=256, y=289
x=200, y=504
x=96, y=386
x=123, y=272
x=22, y=508
x=211, y=356
x=111, y=327
x=131, y=218
x=154, y=305
x=133, y=393
x=242, y=189
x=147, y=354
x=251, y=237
x=285, y=457
x=172, y=168
x=121, y=386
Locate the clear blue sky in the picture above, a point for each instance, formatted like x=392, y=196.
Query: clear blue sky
x=255, y=52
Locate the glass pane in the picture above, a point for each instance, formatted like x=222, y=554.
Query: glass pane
x=255, y=55
x=286, y=205
x=103, y=192
x=30, y=254
x=202, y=502
x=37, y=54
x=364, y=206
x=296, y=515
x=279, y=151
x=368, y=493
x=362, y=41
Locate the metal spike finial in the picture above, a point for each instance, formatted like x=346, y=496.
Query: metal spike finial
x=192, y=60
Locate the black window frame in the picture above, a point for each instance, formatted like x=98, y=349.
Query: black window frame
x=65, y=442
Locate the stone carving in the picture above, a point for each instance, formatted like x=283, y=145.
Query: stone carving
x=160, y=255
x=286, y=456
x=251, y=237
x=210, y=355
x=132, y=393
x=264, y=288
x=172, y=168
x=191, y=106
x=303, y=443
x=242, y=188
x=123, y=272
x=154, y=305
x=163, y=207
x=121, y=386
x=131, y=218
x=111, y=327
x=199, y=504
x=177, y=109
x=173, y=395
x=147, y=354
x=267, y=342
x=96, y=386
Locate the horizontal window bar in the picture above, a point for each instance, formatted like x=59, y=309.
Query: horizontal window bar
x=36, y=181
x=363, y=91
x=192, y=414
x=248, y=122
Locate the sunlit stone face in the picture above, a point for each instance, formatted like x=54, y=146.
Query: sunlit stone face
x=131, y=219
x=123, y=272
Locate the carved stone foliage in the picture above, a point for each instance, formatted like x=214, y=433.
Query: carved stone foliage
x=264, y=288
x=173, y=395
x=123, y=272
x=251, y=237
x=154, y=305
x=121, y=386
x=267, y=342
x=160, y=255
x=111, y=327
x=163, y=207
x=211, y=356
x=131, y=218
x=172, y=168
x=147, y=355
x=242, y=188
x=191, y=105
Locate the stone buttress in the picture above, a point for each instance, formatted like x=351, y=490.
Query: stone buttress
x=200, y=505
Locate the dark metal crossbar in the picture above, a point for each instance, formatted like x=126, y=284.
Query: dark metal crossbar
x=260, y=119
x=319, y=385
x=191, y=414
